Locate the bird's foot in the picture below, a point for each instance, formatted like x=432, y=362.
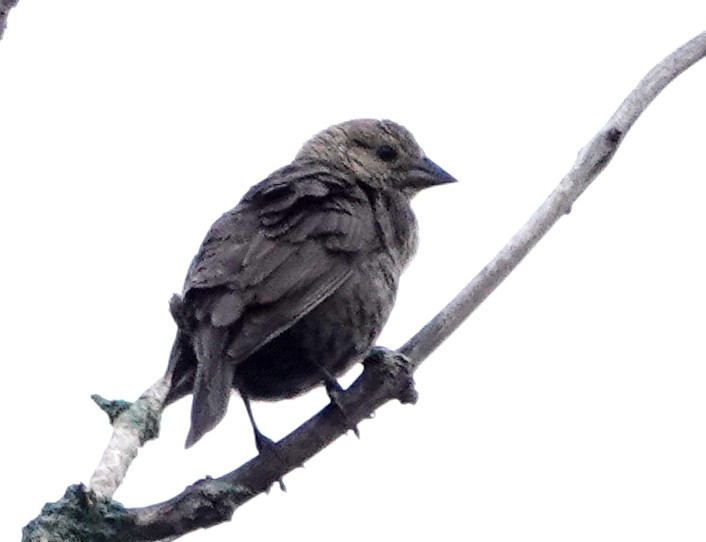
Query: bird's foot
x=267, y=448
x=395, y=365
x=334, y=391
x=265, y=445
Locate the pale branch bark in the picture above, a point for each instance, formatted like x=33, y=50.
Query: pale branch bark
x=387, y=375
x=590, y=162
x=5, y=7
x=133, y=425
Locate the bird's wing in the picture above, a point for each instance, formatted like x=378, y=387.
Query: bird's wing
x=289, y=244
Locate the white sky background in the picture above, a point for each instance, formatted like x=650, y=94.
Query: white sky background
x=571, y=406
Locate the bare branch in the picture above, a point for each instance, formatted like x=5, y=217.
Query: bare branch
x=5, y=7
x=387, y=375
x=590, y=162
x=213, y=500
x=132, y=427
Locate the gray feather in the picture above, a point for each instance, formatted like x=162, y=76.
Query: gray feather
x=293, y=285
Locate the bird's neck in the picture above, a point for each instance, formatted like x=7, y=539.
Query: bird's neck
x=398, y=226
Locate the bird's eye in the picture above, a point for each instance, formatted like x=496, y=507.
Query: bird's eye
x=387, y=153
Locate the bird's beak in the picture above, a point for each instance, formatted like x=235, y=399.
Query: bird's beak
x=426, y=173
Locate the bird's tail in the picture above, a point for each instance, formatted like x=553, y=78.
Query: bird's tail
x=212, y=383
x=181, y=370
x=198, y=365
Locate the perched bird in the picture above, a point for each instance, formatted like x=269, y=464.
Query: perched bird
x=291, y=287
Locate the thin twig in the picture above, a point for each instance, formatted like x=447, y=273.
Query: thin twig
x=590, y=162
x=132, y=427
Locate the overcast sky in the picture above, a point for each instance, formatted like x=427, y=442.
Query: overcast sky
x=571, y=406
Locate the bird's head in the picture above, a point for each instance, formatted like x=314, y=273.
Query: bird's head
x=380, y=153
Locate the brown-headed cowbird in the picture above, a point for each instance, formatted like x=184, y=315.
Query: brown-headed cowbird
x=292, y=286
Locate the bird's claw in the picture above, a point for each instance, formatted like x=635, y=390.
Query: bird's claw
x=334, y=390
x=267, y=448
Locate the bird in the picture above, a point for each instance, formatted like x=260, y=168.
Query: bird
x=292, y=286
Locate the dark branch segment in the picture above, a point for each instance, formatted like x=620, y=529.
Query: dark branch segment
x=386, y=375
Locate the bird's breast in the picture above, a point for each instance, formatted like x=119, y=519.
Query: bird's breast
x=330, y=338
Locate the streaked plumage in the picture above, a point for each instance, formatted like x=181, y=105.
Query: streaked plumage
x=294, y=284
